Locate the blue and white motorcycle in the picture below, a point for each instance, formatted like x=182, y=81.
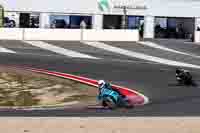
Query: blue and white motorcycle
x=110, y=98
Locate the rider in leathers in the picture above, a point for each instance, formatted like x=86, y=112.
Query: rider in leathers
x=106, y=91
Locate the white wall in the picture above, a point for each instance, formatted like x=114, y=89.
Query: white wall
x=68, y=35
x=11, y=34
x=111, y=35
x=197, y=37
x=97, y=22
x=44, y=20
x=65, y=6
x=196, y=32
x=52, y=34
x=173, y=8
x=149, y=23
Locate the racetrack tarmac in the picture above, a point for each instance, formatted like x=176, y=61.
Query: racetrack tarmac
x=180, y=45
x=153, y=80
x=156, y=81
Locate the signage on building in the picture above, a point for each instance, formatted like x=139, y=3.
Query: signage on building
x=107, y=5
x=130, y=7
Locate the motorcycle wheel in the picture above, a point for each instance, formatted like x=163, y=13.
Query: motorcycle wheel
x=108, y=102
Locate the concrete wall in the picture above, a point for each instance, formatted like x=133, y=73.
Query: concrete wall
x=11, y=34
x=52, y=34
x=111, y=35
x=68, y=35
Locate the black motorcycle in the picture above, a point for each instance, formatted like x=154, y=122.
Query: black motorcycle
x=184, y=77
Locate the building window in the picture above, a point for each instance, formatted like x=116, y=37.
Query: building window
x=134, y=22
x=112, y=21
x=75, y=21
x=59, y=21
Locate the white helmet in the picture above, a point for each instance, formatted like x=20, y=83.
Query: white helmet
x=101, y=83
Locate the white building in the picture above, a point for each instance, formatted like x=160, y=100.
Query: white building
x=170, y=14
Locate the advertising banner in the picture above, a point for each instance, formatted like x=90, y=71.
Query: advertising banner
x=108, y=5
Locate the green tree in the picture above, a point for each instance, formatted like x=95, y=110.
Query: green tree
x=1, y=15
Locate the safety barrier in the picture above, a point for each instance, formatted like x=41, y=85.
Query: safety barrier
x=68, y=34
x=11, y=34
x=111, y=35
x=52, y=34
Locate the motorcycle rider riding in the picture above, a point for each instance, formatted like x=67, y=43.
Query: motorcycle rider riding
x=109, y=97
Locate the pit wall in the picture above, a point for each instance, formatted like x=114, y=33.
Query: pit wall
x=68, y=34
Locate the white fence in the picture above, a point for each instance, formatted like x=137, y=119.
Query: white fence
x=68, y=34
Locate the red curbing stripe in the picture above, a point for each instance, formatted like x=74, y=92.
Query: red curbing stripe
x=140, y=98
x=128, y=92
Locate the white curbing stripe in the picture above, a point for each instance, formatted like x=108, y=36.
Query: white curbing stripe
x=139, y=55
x=154, y=45
x=146, y=99
x=5, y=50
x=59, y=50
x=49, y=73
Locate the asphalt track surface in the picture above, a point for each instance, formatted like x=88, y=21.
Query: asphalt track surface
x=156, y=81
x=178, y=45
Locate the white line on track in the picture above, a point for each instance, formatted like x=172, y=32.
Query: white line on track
x=157, y=46
x=5, y=50
x=59, y=50
x=139, y=55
